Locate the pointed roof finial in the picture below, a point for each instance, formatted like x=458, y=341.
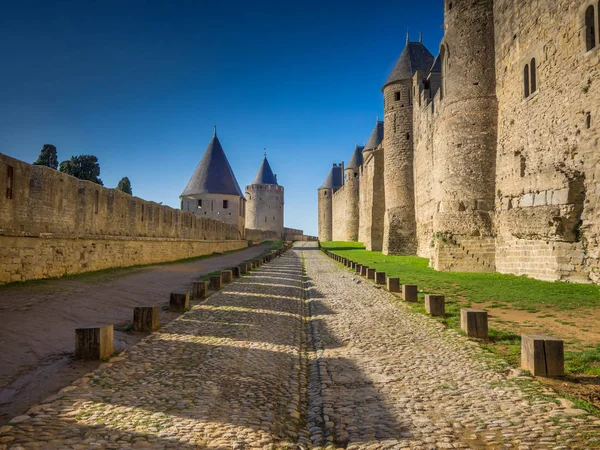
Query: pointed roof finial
x=377, y=118
x=265, y=152
x=421, y=37
x=215, y=135
x=407, y=36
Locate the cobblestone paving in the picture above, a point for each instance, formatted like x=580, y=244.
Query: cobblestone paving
x=268, y=364
x=391, y=378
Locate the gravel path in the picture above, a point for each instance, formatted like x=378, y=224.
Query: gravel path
x=290, y=359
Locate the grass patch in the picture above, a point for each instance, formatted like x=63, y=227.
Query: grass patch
x=586, y=362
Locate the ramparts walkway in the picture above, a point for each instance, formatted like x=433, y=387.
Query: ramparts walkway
x=272, y=362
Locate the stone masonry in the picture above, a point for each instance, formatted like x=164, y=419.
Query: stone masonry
x=489, y=156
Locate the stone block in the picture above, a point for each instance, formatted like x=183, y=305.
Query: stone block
x=542, y=355
x=94, y=343
x=393, y=284
x=474, y=322
x=363, y=271
x=236, y=271
x=526, y=201
x=435, y=304
x=216, y=282
x=179, y=301
x=560, y=196
x=380, y=277
x=371, y=274
x=540, y=199
x=226, y=276
x=145, y=318
x=409, y=292
x=199, y=289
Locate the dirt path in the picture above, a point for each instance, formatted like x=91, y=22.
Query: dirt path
x=38, y=321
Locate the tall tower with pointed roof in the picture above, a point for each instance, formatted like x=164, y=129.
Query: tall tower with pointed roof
x=334, y=181
x=352, y=193
x=399, y=220
x=265, y=201
x=213, y=192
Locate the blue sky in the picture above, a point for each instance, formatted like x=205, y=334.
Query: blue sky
x=140, y=84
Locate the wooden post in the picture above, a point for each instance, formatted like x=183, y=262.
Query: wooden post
x=226, y=276
x=94, y=342
x=358, y=270
x=145, y=318
x=435, y=305
x=393, y=284
x=370, y=274
x=243, y=268
x=363, y=271
x=380, y=277
x=409, y=292
x=179, y=301
x=542, y=355
x=236, y=271
x=474, y=322
x=200, y=289
x=215, y=282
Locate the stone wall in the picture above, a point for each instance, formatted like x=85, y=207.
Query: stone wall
x=547, y=198
x=340, y=215
x=52, y=224
x=264, y=207
x=372, y=200
x=325, y=212
x=229, y=209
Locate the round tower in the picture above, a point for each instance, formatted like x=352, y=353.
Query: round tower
x=352, y=172
x=332, y=183
x=264, y=201
x=466, y=136
x=399, y=233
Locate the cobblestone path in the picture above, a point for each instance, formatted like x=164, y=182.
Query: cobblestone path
x=282, y=359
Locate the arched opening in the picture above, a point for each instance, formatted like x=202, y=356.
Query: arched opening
x=533, y=76
x=590, y=28
x=444, y=55
x=526, y=80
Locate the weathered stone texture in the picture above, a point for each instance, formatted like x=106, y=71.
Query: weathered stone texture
x=325, y=214
x=54, y=224
x=372, y=200
x=264, y=208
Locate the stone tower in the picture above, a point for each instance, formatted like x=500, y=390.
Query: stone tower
x=352, y=192
x=466, y=137
x=332, y=183
x=399, y=232
x=264, y=207
x=213, y=192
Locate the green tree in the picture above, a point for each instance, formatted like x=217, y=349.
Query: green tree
x=125, y=186
x=84, y=167
x=47, y=157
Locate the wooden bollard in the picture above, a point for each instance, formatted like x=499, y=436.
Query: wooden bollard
x=380, y=277
x=409, y=292
x=370, y=274
x=216, y=282
x=363, y=271
x=435, y=304
x=145, y=318
x=358, y=270
x=474, y=322
x=200, y=289
x=235, y=270
x=243, y=268
x=179, y=301
x=393, y=284
x=226, y=276
x=94, y=342
x=543, y=356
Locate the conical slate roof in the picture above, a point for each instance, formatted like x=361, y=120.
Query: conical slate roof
x=437, y=65
x=334, y=179
x=415, y=56
x=264, y=174
x=356, y=159
x=376, y=137
x=213, y=175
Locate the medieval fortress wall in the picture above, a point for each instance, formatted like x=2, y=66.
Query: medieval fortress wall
x=490, y=160
x=52, y=224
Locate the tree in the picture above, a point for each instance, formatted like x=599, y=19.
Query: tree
x=84, y=167
x=125, y=186
x=47, y=157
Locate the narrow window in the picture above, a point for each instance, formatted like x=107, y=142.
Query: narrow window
x=526, y=80
x=588, y=120
x=449, y=6
x=212, y=205
x=199, y=203
x=225, y=204
x=397, y=96
x=142, y=212
x=407, y=136
x=590, y=28
x=533, y=76
x=265, y=218
x=96, y=201
x=10, y=174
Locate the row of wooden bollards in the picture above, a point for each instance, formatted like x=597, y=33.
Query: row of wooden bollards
x=97, y=342
x=540, y=354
